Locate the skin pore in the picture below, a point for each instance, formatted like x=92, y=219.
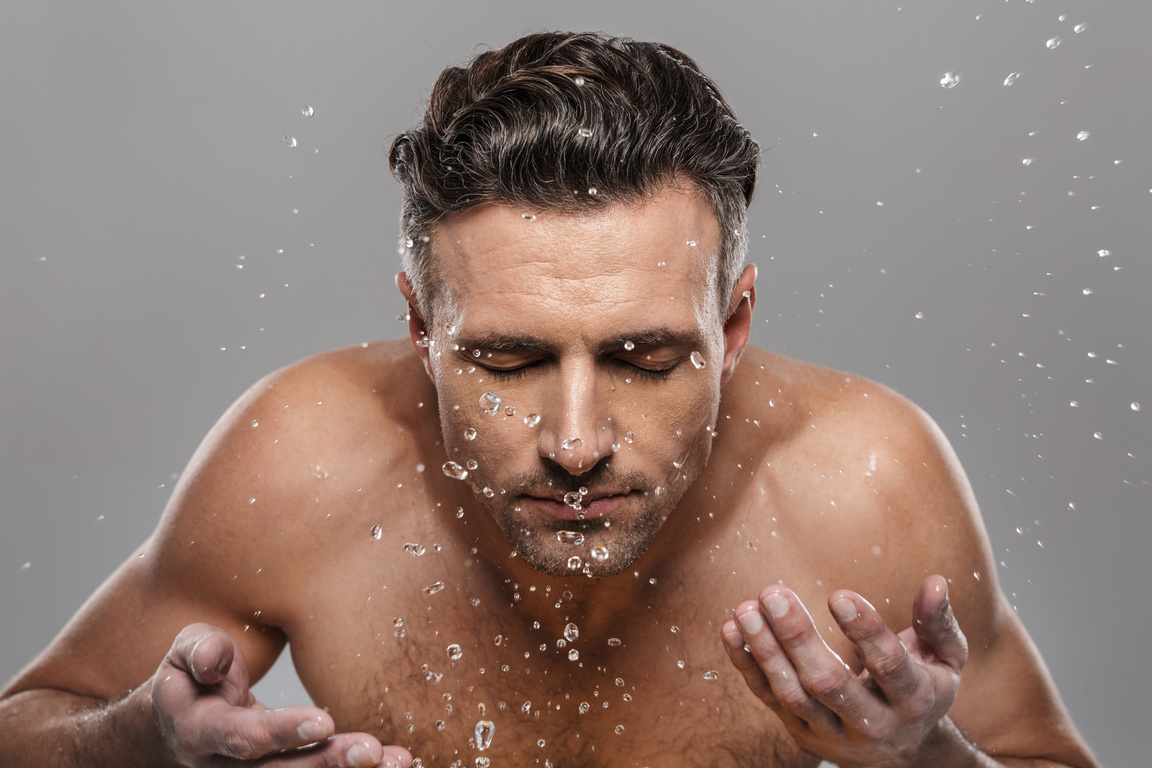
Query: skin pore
x=578, y=367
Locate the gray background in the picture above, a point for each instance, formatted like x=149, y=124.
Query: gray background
x=163, y=247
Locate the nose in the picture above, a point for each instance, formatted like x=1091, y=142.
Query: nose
x=578, y=431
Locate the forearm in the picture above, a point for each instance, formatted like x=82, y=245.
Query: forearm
x=48, y=727
x=949, y=747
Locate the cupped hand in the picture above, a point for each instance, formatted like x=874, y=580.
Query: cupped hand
x=892, y=713
x=209, y=717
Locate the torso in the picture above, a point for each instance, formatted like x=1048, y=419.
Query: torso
x=369, y=625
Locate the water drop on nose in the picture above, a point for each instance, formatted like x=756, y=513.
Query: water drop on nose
x=570, y=537
x=599, y=553
x=416, y=550
x=629, y=345
x=571, y=444
x=454, y=652
x=571, y=632
x=629, y=437
x=1054, y=42
x=470, y=434
x=1011, y=79
x=949, y=80
x=308, y=111
x=532, y=419
x=615, y=447
x=490, y=402
x=290, y=140
x=697, y=360
x=484, y=731
x=454, y=470
x=585, y=132
x=575, y=562
x=377, y=532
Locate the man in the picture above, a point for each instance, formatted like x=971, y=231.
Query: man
x=529, y=534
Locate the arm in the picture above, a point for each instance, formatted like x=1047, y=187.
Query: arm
x=115, y=688
x=927, y=696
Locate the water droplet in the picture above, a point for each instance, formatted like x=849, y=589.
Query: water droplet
x=574, y=563
x=571, y=444
x=416, y=550
x=489, y=402
x=615, y=642
x=1079, y=28
x=540, y=743
x=629, y=345
x=697, y=360
x=528, y=216
x=573, y=655
x=1054, y=43
x=593, y=191
x=949, y=80
x=510, y=410
x=483, y=762
x=573, y=499
x=1011, y=79
x=454, y=470
x=432, y=589
x=585, y=132
x=691, y=243
x=615, y=447
x=919, y=315
x=1027, y=161
x=532, y=419
x=1135, y=406
x=1098, y=435
x=711, y=675
x=578, y=80
x=459, y=512
x=570, y=537
x=619, y=730
x=255, y=423
x=484, y=731
x=1103, y=253
x=629, y=437
x=308, y=111
x=1082, y=135
x=1088, y=291
x=470, y=434
x=584, y=707
x=599, y=553
x=398, y=622
x=680, y=663
x=488, y=492
x=571, y=632
x=454, y=652
x=377, y=532
x=290, y=140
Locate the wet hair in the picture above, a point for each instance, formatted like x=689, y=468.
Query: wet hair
x=571, y=123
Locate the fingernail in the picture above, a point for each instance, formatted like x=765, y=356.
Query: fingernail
x=311, y=732
x=844, y=609
x=750, y=621
x=358, y=754
x=777, y=605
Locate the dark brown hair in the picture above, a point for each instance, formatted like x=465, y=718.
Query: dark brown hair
x=570, y=123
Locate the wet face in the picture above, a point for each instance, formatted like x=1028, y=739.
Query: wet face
x=578, y=365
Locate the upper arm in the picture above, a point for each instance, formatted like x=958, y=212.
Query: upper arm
x=1007, y=702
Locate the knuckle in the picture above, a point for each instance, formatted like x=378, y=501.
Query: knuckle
x=891, y=663
x=241, y=745
x=825, y=684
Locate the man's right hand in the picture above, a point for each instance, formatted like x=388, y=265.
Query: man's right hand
x=209, y=717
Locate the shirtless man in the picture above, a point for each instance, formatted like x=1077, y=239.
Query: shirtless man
x=621, y=477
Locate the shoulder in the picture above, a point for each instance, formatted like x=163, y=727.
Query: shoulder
x=864, y=483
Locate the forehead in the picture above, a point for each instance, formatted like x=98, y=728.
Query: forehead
x=504, y=266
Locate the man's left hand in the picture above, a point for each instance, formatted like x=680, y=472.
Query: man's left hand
x=892, y=713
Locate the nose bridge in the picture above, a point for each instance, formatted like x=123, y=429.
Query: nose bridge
x=580, y=429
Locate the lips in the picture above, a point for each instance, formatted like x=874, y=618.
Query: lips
x=594, y=504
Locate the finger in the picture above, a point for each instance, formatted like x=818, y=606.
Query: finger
x=746, y=664
x=203, y=651
x=345, y=750
x=936, y=625
x=249, y=733
x=395, y=757
x=882, y=652
x=784, y=675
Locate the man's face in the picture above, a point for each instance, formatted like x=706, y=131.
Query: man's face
x=578, y=364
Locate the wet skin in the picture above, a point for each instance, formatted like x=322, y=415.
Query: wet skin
x=772, y=472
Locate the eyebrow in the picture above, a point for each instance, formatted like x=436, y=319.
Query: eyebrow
x=648, y=337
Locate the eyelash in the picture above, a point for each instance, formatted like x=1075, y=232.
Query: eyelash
x=644, y=373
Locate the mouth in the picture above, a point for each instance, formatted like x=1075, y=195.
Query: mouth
x=596, y=503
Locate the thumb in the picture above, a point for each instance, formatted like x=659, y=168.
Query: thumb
x=935, y=624
x=205, y=652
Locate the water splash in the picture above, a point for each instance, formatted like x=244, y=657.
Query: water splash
x=454, y=470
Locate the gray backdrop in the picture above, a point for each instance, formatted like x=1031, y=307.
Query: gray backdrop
x=981, y=248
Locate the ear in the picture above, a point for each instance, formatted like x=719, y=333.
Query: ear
x=417, y=328
x=738, y=325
